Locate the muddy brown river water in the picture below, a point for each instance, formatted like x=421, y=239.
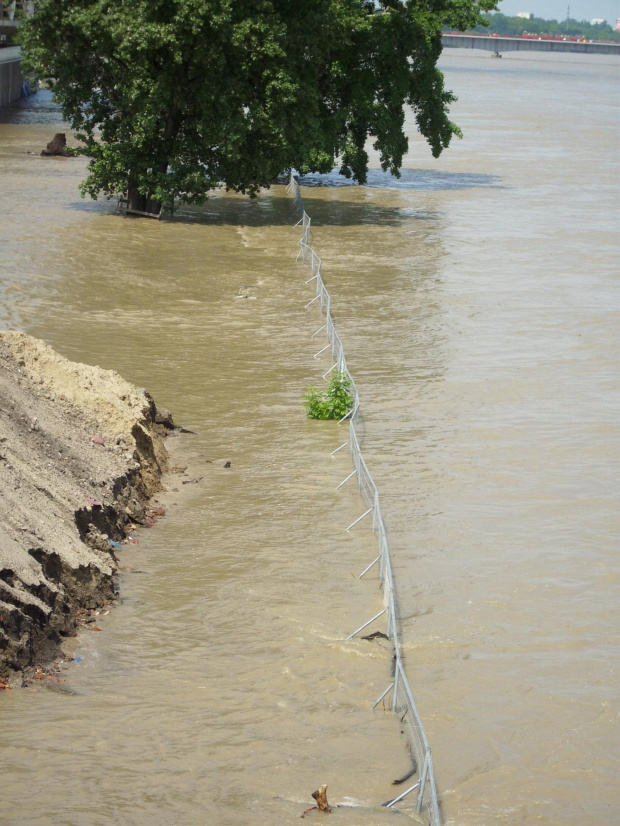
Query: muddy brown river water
x=478, y=301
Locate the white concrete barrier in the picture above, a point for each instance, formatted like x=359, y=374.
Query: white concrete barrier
x=11, y=77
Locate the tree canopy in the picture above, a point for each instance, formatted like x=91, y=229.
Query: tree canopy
x=169, y=98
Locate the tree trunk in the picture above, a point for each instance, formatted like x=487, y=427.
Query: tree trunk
x=140, y=204
x=57, y=146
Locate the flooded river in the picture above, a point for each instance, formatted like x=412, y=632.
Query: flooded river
x=478, y=302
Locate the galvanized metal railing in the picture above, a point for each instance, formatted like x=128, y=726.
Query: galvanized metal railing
x=402, y=702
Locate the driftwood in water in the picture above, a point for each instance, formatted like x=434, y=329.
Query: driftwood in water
x=320, y=795
x=321, y=799
x=409, y=774
x=57, y=147
x=376, y=635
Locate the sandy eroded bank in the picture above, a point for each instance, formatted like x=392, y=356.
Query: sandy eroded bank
x=81, y=453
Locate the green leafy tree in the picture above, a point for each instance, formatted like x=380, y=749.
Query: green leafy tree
x=171, y=97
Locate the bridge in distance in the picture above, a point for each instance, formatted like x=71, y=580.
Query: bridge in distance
x=491, y=43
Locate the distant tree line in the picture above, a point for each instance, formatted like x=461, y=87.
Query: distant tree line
x=502, y=24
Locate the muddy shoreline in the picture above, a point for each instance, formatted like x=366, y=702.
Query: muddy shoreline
x=81, y=455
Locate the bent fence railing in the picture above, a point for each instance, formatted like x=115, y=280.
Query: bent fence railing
x=401, y=696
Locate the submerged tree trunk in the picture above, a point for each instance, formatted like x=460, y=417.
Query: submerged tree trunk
x=140, y=204
x=145, y=205
x=57, y=146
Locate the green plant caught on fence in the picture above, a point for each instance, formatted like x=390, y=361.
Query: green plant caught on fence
x=333, y=403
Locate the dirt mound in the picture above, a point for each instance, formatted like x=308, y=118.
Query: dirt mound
x=81, y=452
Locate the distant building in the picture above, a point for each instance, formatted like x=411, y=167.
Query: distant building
x=617, y=26
x=526, y=15
x=596, y=21
x=8, y=9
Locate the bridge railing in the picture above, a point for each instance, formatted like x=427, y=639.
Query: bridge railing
x=398, y=691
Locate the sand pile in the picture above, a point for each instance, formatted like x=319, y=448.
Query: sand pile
x=81, y=453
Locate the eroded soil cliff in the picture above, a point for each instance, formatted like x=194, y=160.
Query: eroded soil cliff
x=81, y=453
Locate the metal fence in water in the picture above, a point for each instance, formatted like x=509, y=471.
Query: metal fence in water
x=398, y=691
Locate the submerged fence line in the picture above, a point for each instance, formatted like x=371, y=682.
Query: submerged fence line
x=402, y=698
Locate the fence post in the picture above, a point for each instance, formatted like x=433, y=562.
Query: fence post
x=423, y=777
x=395, y=692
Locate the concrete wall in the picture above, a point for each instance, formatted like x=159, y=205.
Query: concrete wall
x=11, y=80
x=510, y=44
